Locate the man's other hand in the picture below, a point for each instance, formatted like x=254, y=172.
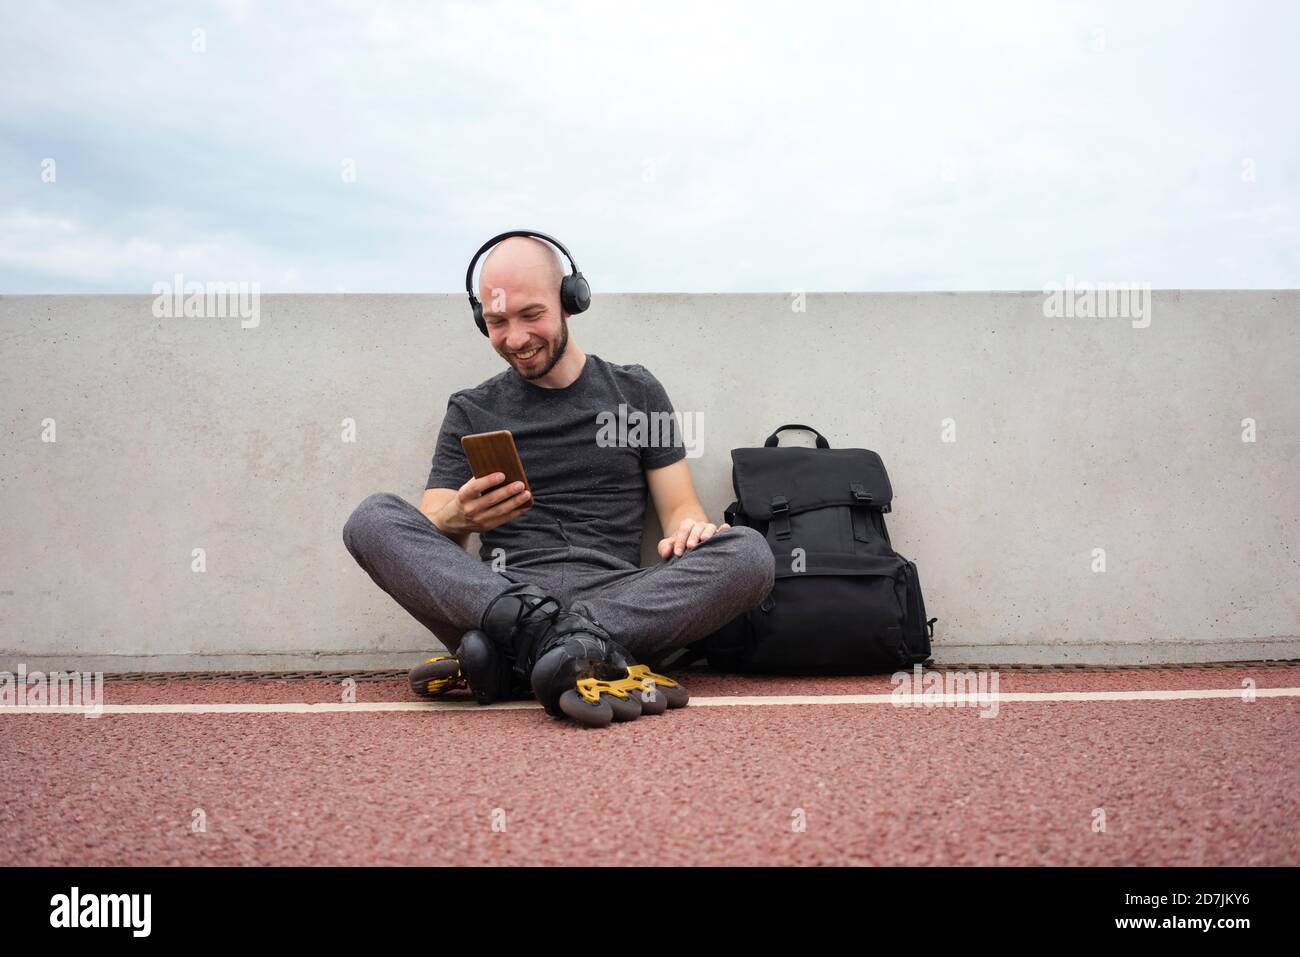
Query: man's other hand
x=689, y=534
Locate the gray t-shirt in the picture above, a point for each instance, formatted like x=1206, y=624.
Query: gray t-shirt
x=585, y=459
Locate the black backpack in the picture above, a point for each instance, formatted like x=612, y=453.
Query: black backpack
x=843, y=600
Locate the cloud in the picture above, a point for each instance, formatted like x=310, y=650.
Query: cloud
x=57, y=247
x=674, y=147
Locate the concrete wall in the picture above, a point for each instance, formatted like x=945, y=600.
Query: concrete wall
x=1071, y=435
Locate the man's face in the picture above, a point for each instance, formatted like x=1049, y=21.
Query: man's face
x=526, y=325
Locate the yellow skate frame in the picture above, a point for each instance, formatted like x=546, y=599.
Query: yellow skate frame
x=639, y=678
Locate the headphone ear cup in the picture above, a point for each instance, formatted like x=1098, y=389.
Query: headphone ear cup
x=478, y=317
x=575, y=294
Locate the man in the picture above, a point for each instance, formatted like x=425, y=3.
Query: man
x=556, y=595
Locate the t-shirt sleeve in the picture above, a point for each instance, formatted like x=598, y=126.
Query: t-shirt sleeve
x=659, y=408
x=450, y=467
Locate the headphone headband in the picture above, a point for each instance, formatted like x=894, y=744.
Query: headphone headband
x=575, y=294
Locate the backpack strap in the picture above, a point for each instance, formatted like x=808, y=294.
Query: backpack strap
x=730, y=513
x=681, y=658
x=861, y=498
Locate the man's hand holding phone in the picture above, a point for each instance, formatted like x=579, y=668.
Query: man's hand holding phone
x=481, y=504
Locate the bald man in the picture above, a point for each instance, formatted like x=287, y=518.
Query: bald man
x=564, y=560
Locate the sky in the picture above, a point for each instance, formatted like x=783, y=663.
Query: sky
x=674, y=147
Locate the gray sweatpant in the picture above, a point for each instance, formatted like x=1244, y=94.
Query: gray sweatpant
x=650, y=611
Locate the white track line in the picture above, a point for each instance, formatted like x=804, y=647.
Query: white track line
x=910, y=700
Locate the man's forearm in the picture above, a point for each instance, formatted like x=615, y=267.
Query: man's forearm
x=693, y=510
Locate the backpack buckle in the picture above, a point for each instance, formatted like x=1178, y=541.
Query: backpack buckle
x=781, y=516
x=860, y=493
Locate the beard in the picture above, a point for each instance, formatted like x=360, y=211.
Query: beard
x=554, y=353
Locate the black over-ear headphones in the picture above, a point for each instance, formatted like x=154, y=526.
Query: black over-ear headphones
x=575, y=294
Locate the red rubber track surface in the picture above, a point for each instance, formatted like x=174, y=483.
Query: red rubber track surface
x=1201, y=781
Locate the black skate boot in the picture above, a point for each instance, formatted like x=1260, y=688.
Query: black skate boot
x=486, y=665
x=595, y=681
x=570, y=662
x=487, y=670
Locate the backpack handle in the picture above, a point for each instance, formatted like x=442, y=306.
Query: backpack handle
x=772, y=439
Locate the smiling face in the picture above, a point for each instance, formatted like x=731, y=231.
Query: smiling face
x=520, y=291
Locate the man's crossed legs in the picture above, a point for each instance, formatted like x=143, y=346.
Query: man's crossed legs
x=650, y=612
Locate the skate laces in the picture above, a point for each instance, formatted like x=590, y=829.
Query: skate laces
x=528, y=631
x=527, y=612
x=639, y=678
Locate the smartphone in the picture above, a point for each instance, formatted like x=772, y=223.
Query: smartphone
x=490, y=452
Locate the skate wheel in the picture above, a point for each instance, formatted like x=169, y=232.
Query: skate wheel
x=677, y=697
x=584, y=712
x=438, y=670
x=652, y=700
x=625, y=709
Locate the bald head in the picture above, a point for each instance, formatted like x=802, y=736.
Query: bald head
x=525, y=321
x=517, y=263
